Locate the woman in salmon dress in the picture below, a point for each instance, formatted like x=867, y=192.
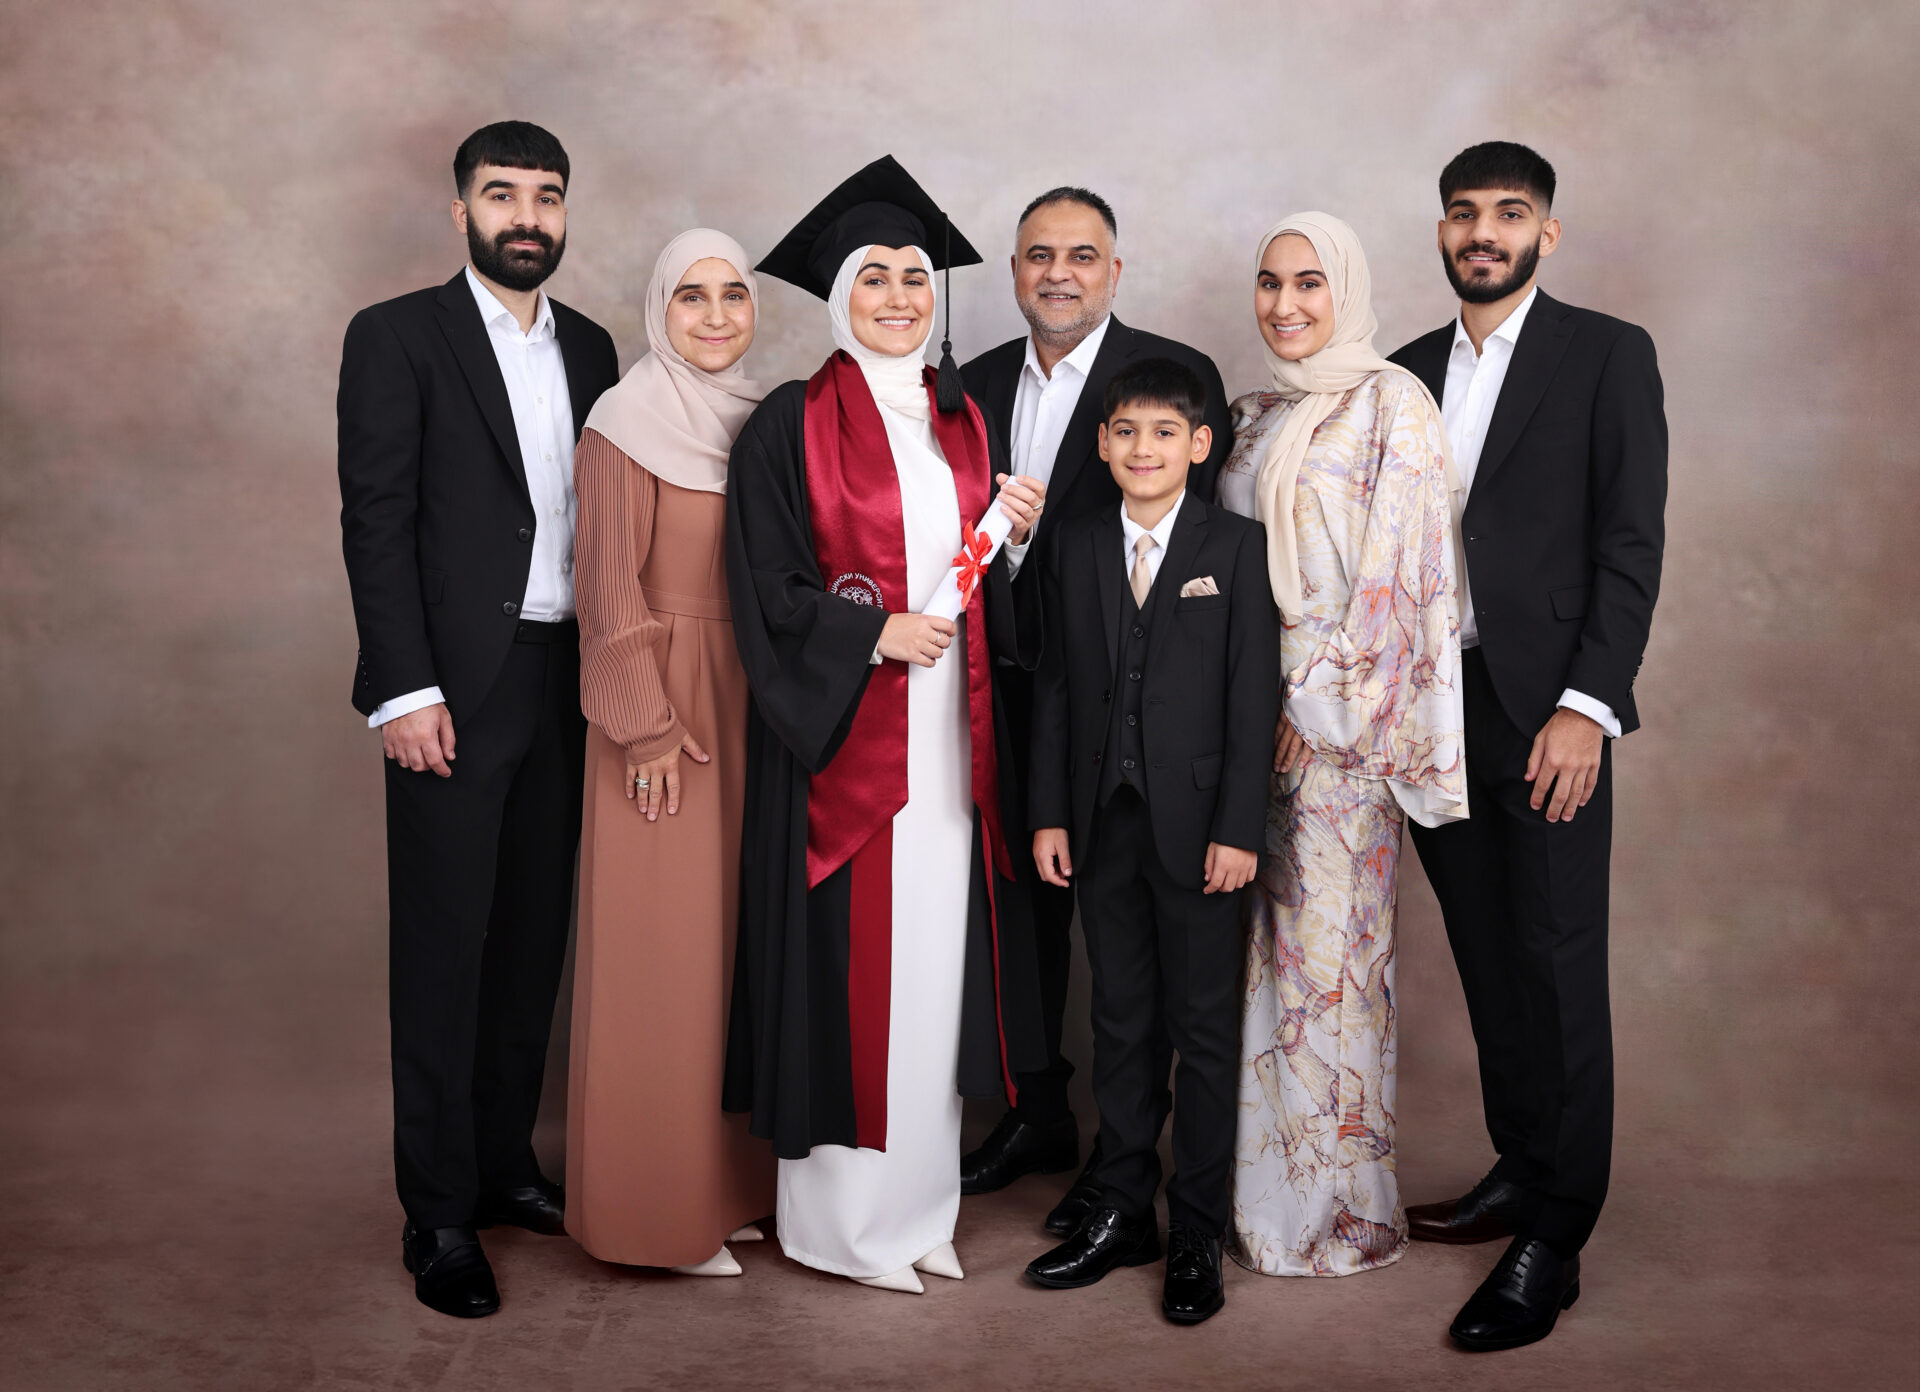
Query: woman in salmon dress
x=657, y=1173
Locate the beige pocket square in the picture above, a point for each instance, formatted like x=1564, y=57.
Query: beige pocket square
x=1199, y=585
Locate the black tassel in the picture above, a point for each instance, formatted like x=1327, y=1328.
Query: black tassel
x=949, y=390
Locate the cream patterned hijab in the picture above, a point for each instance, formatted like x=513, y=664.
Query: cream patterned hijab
x=1319, y=384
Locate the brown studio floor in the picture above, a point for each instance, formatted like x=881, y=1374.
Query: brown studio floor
x=200, y=1198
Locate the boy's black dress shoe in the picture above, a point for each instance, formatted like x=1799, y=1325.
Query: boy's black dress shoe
x=1080, y=1200
x=538, y=1207
x=450, y=1272
x=1107, y=1239
x=1194, y=1289
x=1491, y=1210
x=1014, y=1148
x=1520, y=1300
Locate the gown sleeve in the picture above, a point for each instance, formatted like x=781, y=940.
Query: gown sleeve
x=806, y=651
x=1379, y=697
x=620, y=687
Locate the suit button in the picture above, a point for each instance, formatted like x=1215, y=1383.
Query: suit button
x=525, y=534
x=509, y=608
x=1133, y=720
x=1096, y=758
x=1106, y=695
x=1133, y=676
x=1473, y=538
x=1126, y=763
x=1139, y=632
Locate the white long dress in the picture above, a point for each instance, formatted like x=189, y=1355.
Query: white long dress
x=869, y=1212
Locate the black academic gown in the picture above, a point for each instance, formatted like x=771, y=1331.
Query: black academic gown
x=806, y=654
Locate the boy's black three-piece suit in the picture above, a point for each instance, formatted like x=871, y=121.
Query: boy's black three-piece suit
x=1153, y=735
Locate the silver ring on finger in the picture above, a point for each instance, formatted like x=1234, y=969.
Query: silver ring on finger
x=642, y=784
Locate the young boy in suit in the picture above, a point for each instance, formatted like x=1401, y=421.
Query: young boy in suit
x=1154, y=714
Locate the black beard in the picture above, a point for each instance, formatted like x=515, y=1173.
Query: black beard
x=516, y=270
x=1490, y=289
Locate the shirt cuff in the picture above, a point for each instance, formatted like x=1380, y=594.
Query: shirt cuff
x=876, y=659
x=1599, y=712
x=1015, y=555
x=404, y=705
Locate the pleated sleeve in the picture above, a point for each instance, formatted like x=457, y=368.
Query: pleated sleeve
x=621, y=643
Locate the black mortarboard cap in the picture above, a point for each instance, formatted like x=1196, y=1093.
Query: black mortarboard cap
x=882, y=205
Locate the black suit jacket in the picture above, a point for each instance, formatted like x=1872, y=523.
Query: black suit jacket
x=1082, y=484
x=435, y=517
x=1565, y=523
x=1211, y=684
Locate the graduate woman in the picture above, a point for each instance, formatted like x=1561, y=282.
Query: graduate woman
x=657, y=1174
x=885, y=969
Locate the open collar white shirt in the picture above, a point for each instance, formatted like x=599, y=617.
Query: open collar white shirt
x=1466, y=407
x=535, y=373
x=1044, y=403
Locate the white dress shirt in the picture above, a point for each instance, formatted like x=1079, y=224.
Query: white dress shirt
x=1473, y=388
x=1131, y=532
x=1044, y=403
x=536, y=378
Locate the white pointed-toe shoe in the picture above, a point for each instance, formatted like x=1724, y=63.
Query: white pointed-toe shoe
x=749, y=1233
x=901, y=1280
x=721, y=1263
x=942, y=1261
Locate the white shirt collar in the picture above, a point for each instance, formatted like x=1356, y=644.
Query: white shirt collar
x=1509, y=330
x=492, y=311
x=1080, y=359
x=1162, y=530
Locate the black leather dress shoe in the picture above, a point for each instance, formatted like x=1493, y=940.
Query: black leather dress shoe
x=538, y=1207
x=1014, y=1148
x=1080, y=1200
x=1105, y=1241
x=1194, y=1289
x=1520, y=1300
x=450, y=1272
x=1489, y=1211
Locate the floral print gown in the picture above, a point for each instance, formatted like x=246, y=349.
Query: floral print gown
x=1371, y=676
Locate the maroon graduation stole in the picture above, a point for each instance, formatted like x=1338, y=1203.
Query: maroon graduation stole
x=859, y=540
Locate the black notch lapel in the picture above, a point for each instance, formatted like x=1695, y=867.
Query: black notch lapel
x=1002, y=385
x=1176, y=568
x=461, y=322
x=1430, y=365
x=1108, y=542
x=1115, y=349
x=573, y=354
x=1536, y=357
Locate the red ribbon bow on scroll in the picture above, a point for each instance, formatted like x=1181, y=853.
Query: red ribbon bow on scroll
x=971, y=562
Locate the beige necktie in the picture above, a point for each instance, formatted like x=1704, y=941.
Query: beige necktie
x=1142, y=574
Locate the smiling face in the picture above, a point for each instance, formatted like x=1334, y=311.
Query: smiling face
x=515, y=221
x=1064, y=270
x=1491, y=242
x=1292, y=299
x=891, y=308
x=1150, y=448
x=710, y=315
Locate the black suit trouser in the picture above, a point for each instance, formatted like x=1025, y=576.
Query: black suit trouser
x=1525, y=903
x=1166, y=965
x=480, y=873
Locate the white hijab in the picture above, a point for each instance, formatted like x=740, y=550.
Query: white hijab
x=896, y=383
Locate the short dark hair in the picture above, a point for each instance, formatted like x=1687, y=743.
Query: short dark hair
x=511, y=145
x=1158, y=382
x=1498, y=164
x=1073, y=193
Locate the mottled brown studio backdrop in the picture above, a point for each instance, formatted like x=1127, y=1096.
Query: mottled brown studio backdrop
x=198, y=195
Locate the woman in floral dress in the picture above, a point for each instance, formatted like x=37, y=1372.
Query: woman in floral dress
x=1344, y=461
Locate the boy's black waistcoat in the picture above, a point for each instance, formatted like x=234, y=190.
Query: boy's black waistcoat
x=1199, y=675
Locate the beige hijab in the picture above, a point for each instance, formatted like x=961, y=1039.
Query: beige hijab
x=667, y=415
x=1319, y=383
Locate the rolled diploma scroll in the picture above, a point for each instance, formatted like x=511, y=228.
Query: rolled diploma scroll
x=977, y=550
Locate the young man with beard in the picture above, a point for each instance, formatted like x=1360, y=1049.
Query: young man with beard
x=1043, y=393
x=459, y=408
x=1555, y=420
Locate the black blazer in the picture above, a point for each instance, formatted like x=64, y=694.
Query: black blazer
x=1211, y=694
x=1565, y=524
x=435, y=517
x=1082, y=484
